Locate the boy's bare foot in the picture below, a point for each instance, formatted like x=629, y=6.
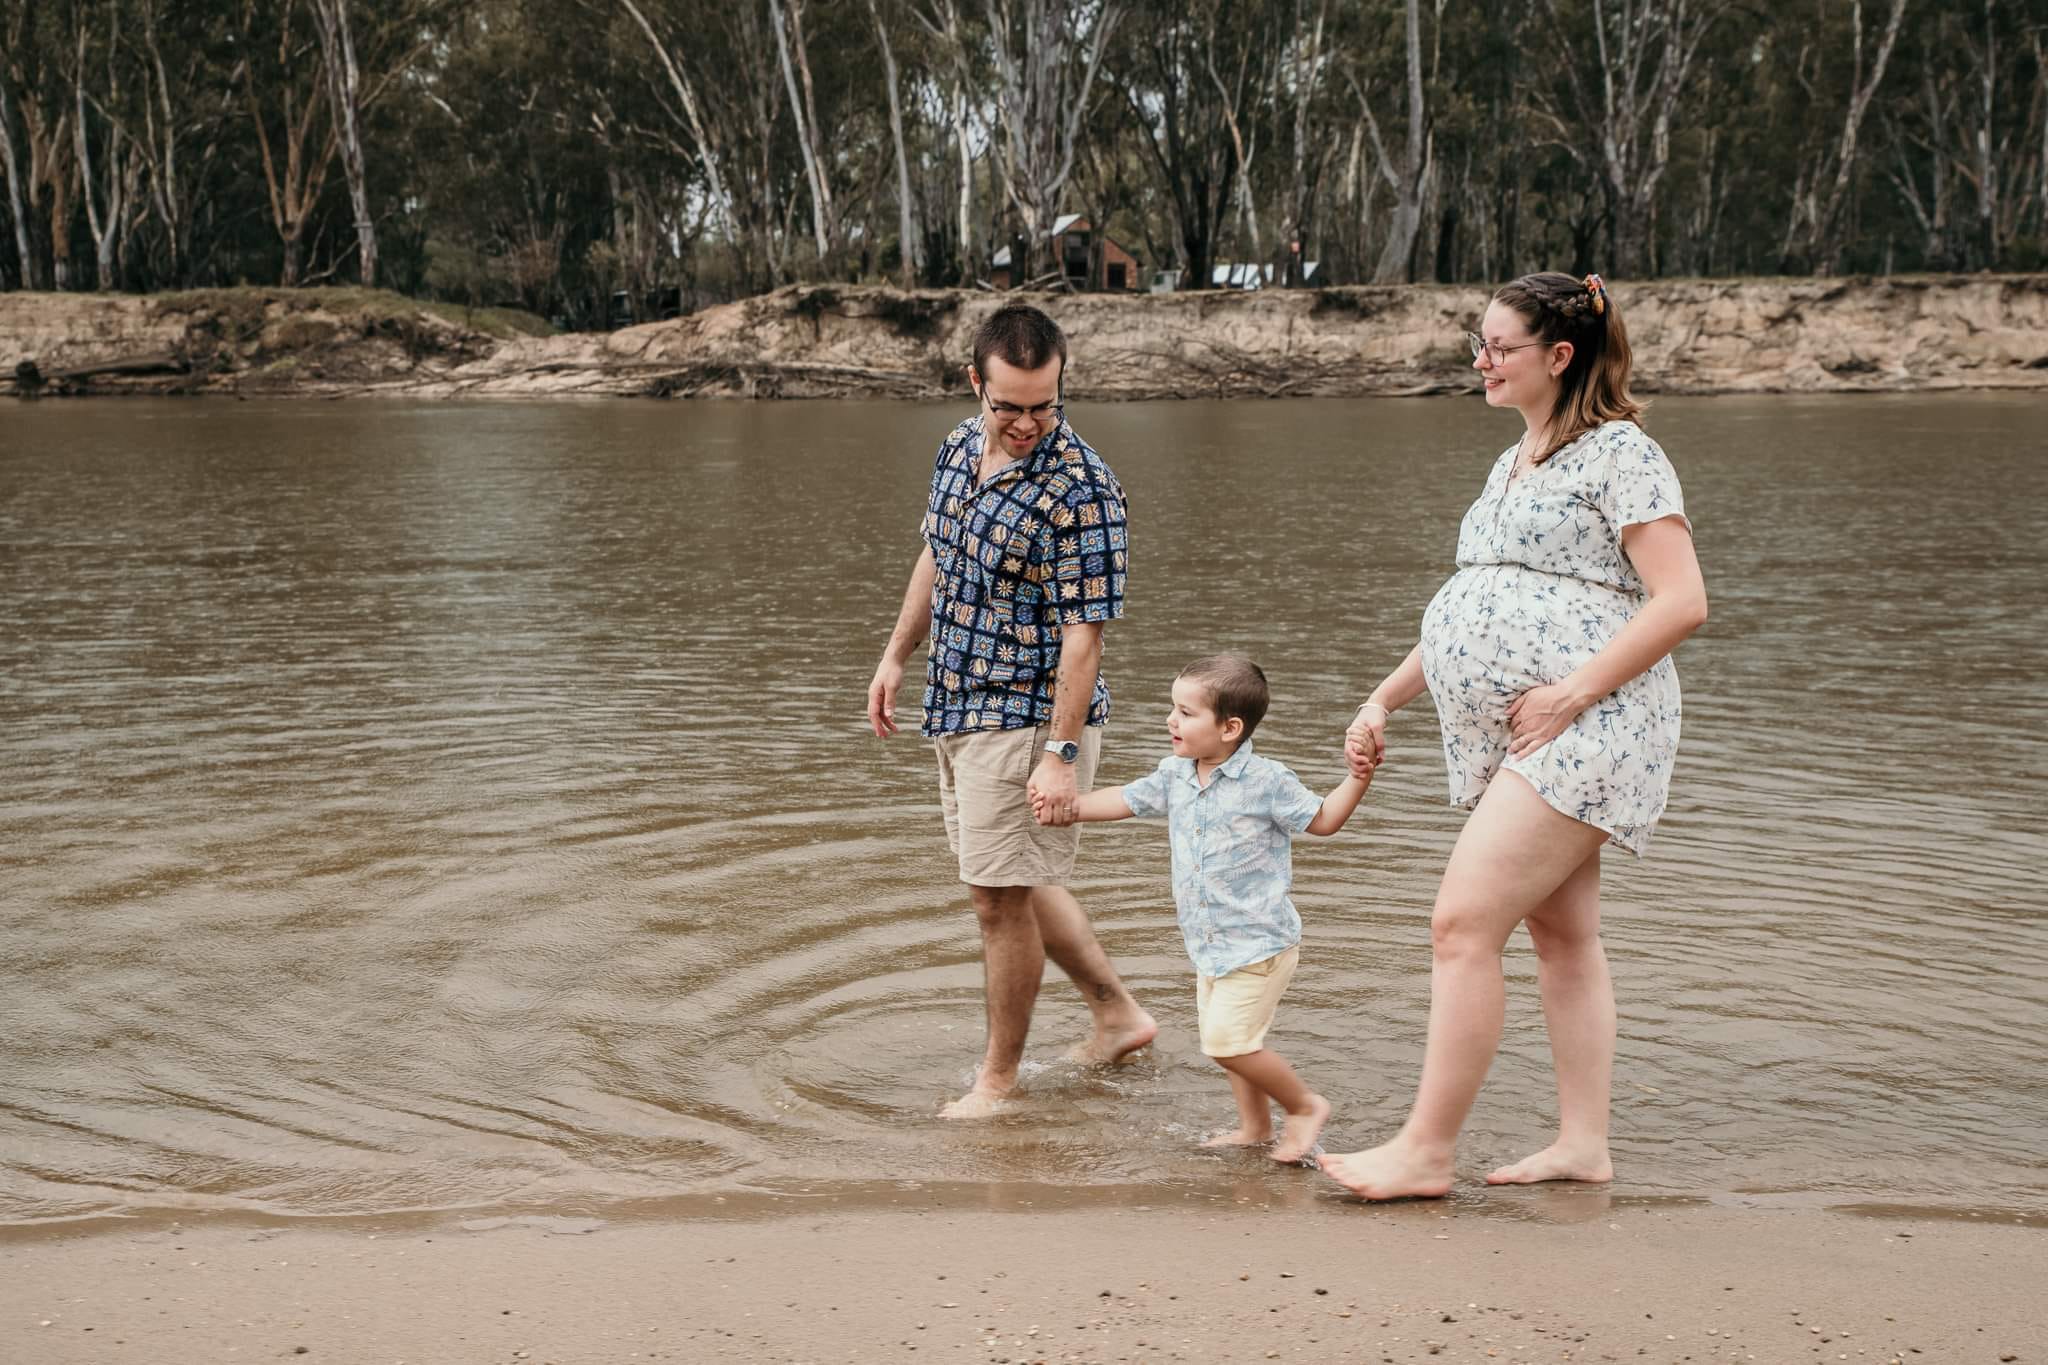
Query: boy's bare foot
x=1116, y=1042
x=1393, y=1170
x=1238, y=1137
x=1299, y=1133
x=1558, y=1162
x=976, y=1104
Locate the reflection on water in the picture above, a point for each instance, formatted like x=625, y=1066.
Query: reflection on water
x=441, y=806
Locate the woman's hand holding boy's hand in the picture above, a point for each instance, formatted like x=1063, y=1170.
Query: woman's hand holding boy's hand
x=1365, y=741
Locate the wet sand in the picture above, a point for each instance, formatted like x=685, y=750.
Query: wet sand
x=1558, y=1279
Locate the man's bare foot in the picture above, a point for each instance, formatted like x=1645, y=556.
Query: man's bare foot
x=1558, y=1162
x=977, y=1104
x=1393, y=1170
x=1238, y=1137
x=1299, y=1133
x=1115, y=1043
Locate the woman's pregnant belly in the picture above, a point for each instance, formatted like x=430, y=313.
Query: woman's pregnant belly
x=1493, y=631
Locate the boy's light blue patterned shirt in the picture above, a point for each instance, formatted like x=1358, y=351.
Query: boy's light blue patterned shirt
x=1232, y=854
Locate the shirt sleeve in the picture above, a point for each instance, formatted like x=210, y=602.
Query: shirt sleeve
x=930, y=527
x=1294, y=806
x=1084, y=562
x=1147, y=796
x=1641, y=486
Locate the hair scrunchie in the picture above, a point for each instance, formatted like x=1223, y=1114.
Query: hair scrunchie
x=1597, y=287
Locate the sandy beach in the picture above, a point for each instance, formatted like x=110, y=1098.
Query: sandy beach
x=1540, y=1275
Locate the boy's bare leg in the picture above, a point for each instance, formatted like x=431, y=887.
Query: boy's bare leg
x=1254, y=1114
x=1121, y=1026
x=1307, y=1111
x=1012, y=961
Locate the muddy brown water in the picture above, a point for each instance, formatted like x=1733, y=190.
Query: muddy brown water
x=435, y=807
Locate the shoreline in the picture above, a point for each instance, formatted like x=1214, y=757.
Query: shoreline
x=1891, y=334
x=1554, y=1273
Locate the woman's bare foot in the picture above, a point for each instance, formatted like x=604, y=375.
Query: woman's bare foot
x=1393, y=1170
x=977, y=1103
x=1299, y=1133
x=1239, y=1137
x=1116, y=1041
x=1558, y=1162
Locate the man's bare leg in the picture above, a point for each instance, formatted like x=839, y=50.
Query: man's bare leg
x=1012, y=961
x=1121, y=1026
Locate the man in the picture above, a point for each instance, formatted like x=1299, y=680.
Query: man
x=1023, y=562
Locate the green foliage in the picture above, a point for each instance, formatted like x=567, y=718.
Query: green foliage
x=564, y=161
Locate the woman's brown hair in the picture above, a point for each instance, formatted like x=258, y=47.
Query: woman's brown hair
x=1594, y=386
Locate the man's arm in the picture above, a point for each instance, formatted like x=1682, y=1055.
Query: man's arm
x=913, y=624
x=1080, y=662
x=1338, y=805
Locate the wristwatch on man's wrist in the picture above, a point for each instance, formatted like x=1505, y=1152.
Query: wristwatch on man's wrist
x=1066, y=750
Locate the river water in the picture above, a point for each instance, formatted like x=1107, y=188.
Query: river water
x=468, y=807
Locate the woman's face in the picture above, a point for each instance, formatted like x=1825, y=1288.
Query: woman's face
x=1522, y=376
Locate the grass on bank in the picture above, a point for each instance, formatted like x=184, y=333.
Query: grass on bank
x=244, y=308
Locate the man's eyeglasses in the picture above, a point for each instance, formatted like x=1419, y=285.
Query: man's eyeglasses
x=1494, y=352
x=1045, y=414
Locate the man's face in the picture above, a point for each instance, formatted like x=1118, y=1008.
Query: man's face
x=1021, y=405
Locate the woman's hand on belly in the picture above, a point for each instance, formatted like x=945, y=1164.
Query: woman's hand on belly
x=1542, y=714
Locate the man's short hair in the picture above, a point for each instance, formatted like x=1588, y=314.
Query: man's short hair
x=1236, y=687
x=1020, y=335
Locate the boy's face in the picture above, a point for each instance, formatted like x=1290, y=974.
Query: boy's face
x=1192, y=723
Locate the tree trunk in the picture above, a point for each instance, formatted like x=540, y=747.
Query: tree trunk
x=910, y=246
x=17, y=203
x=344, y=94
x=1046, y=57
x=823, y=228
x=1410, y=180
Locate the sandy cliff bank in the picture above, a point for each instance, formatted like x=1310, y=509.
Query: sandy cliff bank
x=1692, y=336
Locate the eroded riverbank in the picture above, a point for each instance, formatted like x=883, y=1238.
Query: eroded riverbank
x=1896, y=334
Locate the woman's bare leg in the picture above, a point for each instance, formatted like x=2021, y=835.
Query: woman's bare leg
x=1578, y=1008
x=1513, y=853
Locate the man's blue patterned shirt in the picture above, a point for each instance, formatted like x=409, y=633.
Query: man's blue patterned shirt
x=1040, y=545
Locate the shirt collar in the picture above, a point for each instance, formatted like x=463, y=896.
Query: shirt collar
x=1043, y=455
x=1230, y=767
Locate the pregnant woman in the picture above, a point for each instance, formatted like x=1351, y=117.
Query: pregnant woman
x=1548, y=657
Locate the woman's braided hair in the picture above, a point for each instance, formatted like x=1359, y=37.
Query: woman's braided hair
x=1594, y=386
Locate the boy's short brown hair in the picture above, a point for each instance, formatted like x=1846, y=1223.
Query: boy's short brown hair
x=1236, y=687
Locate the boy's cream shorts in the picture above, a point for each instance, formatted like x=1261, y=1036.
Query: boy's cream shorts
x=982, y=779
x=1237, y=1008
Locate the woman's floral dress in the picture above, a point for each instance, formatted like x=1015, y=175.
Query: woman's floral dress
x=1542, y=585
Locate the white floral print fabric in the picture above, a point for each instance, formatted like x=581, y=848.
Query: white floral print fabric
x=1542, y=585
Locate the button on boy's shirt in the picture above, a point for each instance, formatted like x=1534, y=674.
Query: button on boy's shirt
x=1042, y=544
x=1232, y=854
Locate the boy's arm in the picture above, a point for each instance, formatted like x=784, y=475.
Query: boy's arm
x=1104, y=803
x=1338, y=805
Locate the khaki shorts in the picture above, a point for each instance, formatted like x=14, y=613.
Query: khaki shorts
x=982, y=779
x=1237, y=1008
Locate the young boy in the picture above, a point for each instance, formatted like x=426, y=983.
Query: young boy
x=1231, y=816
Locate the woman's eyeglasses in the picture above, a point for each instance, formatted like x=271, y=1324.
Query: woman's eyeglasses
x=1494, y=352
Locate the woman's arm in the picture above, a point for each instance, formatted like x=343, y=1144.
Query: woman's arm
x=1365, y=743
x=1663, y=555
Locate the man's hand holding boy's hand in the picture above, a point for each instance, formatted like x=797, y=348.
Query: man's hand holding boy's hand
x=1054, y=801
